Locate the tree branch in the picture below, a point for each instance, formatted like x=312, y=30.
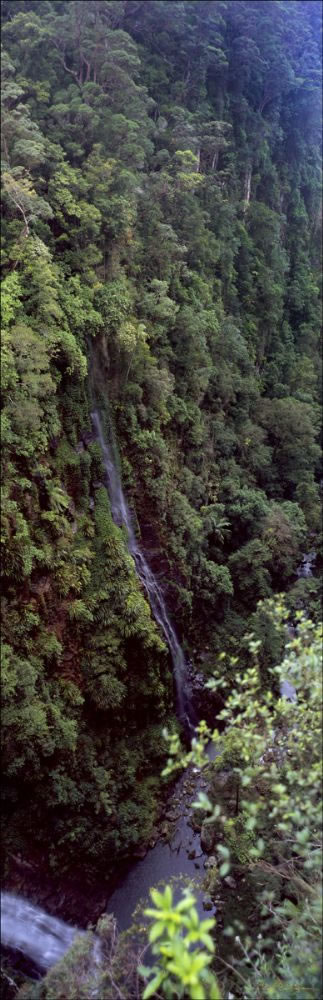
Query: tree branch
x=62, y=59
x=20, y=209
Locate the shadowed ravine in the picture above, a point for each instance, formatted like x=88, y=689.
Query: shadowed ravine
x=25, y=927
x=121, y=516
x=45, y=939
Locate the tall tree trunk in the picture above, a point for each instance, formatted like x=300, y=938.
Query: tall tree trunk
x=215, y=159
x=247, y=187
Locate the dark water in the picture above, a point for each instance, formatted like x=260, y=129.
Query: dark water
x=44, y=939
x=166, y=860
x=28, y=929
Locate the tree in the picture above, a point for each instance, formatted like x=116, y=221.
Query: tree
x=161, y=195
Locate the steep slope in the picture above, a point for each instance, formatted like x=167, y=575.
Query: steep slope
x=161, y=210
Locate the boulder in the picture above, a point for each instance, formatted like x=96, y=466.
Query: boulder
x=211, y=882
x=223, y=789
x=195, y=823
x=207, y=704
x=230, y=881
x=208, y=837
x=172, y=816
x=140, y=852
x=210, y=862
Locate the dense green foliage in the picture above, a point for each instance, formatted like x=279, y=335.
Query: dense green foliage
x=161, y=204
x=183, y=946
x=275, y=749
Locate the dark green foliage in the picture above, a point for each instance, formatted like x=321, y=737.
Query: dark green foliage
x=161, y=205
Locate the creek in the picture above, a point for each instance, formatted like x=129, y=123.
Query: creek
x=36, y=934
x=44, y=939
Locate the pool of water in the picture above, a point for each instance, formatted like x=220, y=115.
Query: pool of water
x=166, y=860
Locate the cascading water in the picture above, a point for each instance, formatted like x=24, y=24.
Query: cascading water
x=25, y=927
x=44, y=939
x=28, y=929
x=121, y=516
x=305, y=569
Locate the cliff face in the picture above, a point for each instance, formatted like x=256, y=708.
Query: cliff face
x=161, y=196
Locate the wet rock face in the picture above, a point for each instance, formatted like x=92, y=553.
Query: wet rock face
x=207, y=704
x=87, y=437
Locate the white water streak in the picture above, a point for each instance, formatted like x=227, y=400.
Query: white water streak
x=30, y=930
x=25, y=927
x=121, y=516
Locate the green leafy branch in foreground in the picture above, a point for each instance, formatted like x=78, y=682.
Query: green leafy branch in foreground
x=177, y=935
x=274, y=746
x=177, y=760
x=295, y=971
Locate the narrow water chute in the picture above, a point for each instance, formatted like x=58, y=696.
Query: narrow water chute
x=121, y=516
x=28, y=929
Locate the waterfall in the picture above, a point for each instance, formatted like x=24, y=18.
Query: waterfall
x=28, y=929
x=121, y=516
x=305, y=569
x=25, y=927
x=287, y=689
